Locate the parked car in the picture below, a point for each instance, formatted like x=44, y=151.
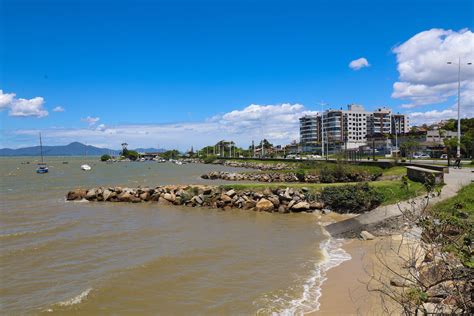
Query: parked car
x=444, y=156
x=421, y=156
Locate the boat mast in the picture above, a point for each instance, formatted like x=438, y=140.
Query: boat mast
x=41, y=148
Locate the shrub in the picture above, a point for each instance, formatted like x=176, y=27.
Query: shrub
x=105, y=157
x=357, y=198
x=209, y=159
x=342, y=172
x=132, y=155
x=300, y=174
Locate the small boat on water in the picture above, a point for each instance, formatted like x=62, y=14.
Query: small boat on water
x=86, y=167
x=42, y=166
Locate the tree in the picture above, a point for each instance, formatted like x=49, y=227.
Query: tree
x=409, y=147
x=170, y=154
x=266, y=144
x=132, y=155
x=105, y=157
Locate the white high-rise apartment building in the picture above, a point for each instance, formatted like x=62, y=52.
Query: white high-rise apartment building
x=349, y=128
x=400, y=124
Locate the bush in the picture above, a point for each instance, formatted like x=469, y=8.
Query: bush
x=357, y=198
x=105, y=157
x=209, y=159
x=300, y=174
x=132, y=155
x=342, y=172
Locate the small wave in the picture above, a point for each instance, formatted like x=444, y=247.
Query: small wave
x=334, y=255
x=75, y=300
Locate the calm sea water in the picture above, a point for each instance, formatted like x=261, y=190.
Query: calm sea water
x=115, y=258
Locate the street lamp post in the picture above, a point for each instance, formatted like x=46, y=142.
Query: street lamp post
x=458, y=150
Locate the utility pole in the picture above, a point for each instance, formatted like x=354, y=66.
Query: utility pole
x=253, y=148
x=458, y=150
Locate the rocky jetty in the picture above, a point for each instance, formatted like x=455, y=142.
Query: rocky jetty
x=275, y=200
x=262, y=177
x=254, y=165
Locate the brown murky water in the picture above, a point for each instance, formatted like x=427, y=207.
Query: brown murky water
x=105, y=258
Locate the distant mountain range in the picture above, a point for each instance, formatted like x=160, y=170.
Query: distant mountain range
x=73, y=149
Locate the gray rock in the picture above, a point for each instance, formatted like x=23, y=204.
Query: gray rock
x=106, y=194
x=231, y=193
x=91, y=194
x=365, y=235
x=292, y=202
x=198, y=199
x=300, y=206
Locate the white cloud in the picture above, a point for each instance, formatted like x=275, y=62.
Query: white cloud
x=424, y=75
x=90, y=120
x=101, y=127
x=59, y=109
x=359, y=64
x=278, y=123
x=22, y=107
x=6, y=99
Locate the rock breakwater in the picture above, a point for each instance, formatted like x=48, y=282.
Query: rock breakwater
x=269, y=200
x=262, y=177
x=254, y=165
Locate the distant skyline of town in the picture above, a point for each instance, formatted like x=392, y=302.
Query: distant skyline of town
x=191, y=73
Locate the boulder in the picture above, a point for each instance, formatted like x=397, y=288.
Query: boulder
x=292, y=202
x=283, y=209
x=225, y=198
x=169, y=197
x=77, y=194
x=300, y=206
x=230, y=193
x=125, y=197
x=316, y=205
x=91, y=194
x=365, y=235
x=145, y=196
x=198, y=199
x=264, y=205
x=106, y=194
x=249, y=204
x=274, y=199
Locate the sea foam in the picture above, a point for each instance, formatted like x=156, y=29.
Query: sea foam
x=76, y=299
x=334, y=255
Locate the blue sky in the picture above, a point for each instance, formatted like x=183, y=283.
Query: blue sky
x=147, y=69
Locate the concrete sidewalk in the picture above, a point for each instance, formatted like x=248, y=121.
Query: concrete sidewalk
x=454, y=180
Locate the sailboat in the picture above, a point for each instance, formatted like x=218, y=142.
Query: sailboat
x=85, y=166
x=42, y=166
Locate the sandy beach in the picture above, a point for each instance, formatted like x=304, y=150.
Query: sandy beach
x=345, y=291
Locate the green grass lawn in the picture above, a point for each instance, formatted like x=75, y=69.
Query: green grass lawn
x=395, y=171
x=391, y=190
x=464, y=200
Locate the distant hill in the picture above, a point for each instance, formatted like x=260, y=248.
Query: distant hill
x=73, y=149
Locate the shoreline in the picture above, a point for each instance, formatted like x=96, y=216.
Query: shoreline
x=344, y=288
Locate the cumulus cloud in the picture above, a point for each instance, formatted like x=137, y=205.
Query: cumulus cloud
x=101, y=127
x=6, y=99
x=278, y=123
x=90, y=120
x=359, y=64
x=19, y=107
x=59, y=109
x=425, y=77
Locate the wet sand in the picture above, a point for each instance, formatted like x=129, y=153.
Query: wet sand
x=345, y=292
